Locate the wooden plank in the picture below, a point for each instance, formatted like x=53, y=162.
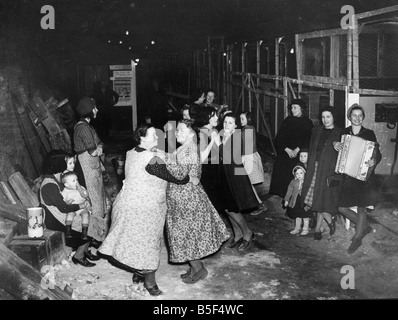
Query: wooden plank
x=3, y=197
x=376, y=12
x=378, y=92
x=23, y=191
x=9, y=193
x=10, y=230
x=17, y=212
x=39, y=108
x=24, y=282
x=39, y=128
x=322, y=33
x=355, y=55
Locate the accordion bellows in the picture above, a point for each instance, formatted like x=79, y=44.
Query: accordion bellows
x=353, y=156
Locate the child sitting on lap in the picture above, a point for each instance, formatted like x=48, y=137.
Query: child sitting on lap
x=74, y=193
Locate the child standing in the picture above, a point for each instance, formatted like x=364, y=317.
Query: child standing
x=251, y=159
x=73, y=193
x=303, y=157
x=292, y=202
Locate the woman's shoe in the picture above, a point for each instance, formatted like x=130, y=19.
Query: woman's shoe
x=201, y=274
x=187, y=274
x=138, y=278
x=355, y=244
x=96, y=244
x=234, y=243
x=317, y=235
x=91, y=256
x=153, y=291
x=83, y=262
x=245, y=244
x=332, y=225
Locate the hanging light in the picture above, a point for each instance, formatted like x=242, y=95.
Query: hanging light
x=120, y=41
x=127, y=33
x=152, y=42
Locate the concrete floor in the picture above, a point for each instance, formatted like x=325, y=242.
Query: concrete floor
x=278, y=266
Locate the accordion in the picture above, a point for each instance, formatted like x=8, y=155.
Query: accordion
x=353, y=155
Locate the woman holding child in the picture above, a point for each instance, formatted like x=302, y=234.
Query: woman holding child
x=56, y=209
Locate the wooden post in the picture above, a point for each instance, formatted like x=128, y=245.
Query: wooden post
x=276, y=83
x=349, y=57
x=134, y=94
x=258, y=71
x=299, y=63
x=209, y=61
x=243, y=77
x=355, y=52
x=285, y=93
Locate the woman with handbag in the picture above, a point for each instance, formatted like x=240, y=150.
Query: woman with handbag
x=357, y=194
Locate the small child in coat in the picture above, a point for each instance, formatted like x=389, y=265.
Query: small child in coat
x=73, y=193
x=292, y=202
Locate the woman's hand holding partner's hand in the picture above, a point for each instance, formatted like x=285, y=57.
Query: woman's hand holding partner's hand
x=194, y=180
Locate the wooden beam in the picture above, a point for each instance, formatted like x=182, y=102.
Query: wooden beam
x=376, y=12
x=299, y=61
x=11, y=229
x=355, y=55
x=8, y=192
x=23, y=191
x=322, y=33
x=349, y=58
x=372, y=92
x=24, y=282
x=14, y=212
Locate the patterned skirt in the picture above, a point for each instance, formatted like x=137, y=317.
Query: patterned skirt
x=310, y=194
x=254, y=168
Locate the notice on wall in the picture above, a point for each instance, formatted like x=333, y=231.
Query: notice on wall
x=122, y=86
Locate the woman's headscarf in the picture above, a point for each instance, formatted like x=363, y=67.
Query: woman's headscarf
x=55, y=162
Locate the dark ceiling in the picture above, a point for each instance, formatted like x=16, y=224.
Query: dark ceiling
x=176, y=26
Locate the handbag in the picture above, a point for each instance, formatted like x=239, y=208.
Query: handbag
x=335, y=180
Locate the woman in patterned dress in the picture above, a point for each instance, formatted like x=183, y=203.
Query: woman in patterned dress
x=138, y=215
x=194, y=228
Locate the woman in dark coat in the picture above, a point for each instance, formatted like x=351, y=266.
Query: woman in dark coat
x=321, y=165
x=357, y=193
x=238, y=193
x=293, y=135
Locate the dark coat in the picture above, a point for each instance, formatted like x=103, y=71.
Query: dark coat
x=356, y=192
x=294, y=132
x=325, y=198
x=238, y=194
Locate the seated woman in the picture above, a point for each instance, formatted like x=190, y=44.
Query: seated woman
x=56, y=209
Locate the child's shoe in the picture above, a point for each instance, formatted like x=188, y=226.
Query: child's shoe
x=305, y=227
x=297, y=228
